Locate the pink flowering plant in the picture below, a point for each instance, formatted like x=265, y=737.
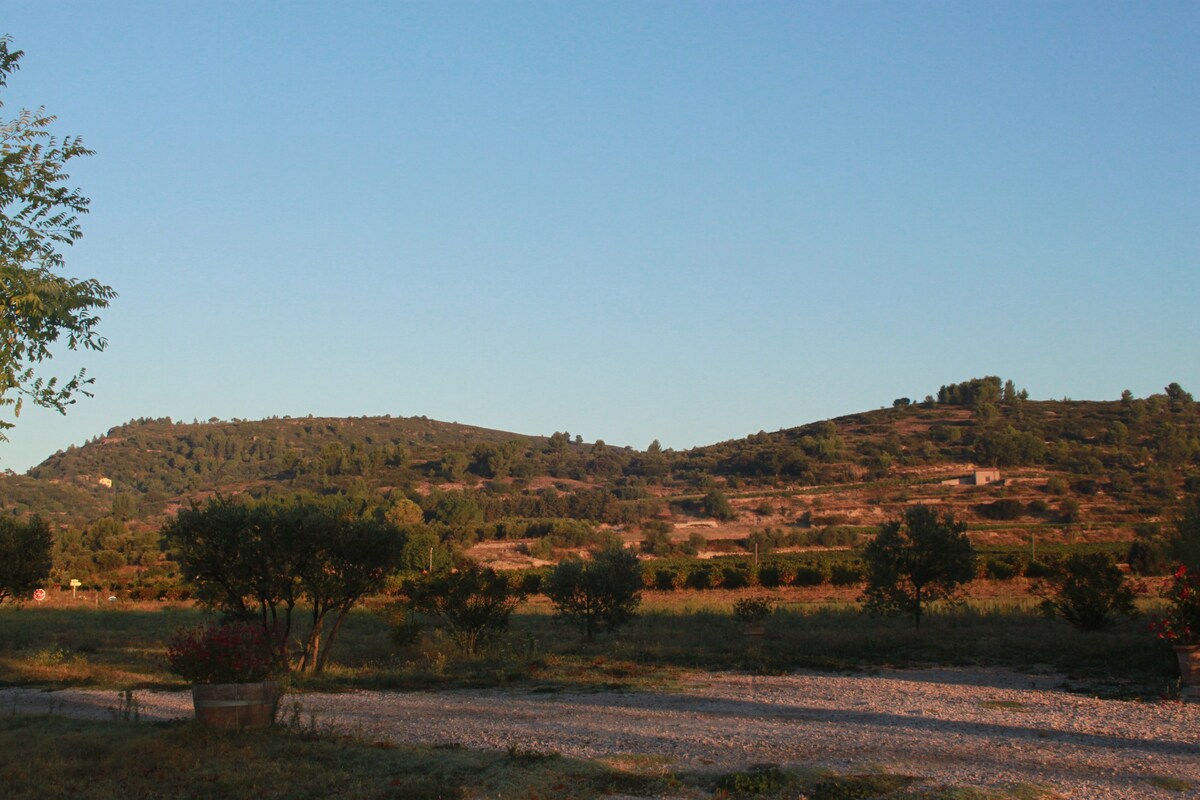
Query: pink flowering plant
x=1181, y=625
x=232, y=653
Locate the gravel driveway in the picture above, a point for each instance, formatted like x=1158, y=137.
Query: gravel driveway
x=970, y=726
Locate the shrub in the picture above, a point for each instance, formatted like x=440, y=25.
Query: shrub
x=773, y=575
x=756, y=781
x=1148, y=557
x=233, y=653
x=814, y=573
x=656, y=537
x=717, y=506
x=1038, y=569
x=474, y=602
x=751, y=609
x=849, y=573
x=703, y=577
x=601, y=594
x=667, y=579
x=1088, y=592
x=736, y=577
x=1006, y=509
x=999, y=569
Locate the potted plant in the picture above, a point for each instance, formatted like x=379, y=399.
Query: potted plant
x=752, y=611
x=1181, y=624
x=230, y=667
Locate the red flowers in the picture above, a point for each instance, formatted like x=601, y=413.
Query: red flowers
x=235, y=653
x=1181, y=625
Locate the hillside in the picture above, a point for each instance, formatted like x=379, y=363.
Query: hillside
x=1071, y=470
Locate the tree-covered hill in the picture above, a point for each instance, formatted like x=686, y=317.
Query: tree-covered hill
x=1091, y=470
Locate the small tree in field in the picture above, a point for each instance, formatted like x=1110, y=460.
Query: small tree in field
x=263, y=560
x=600, y=594
x=475, y=602
x=1089, y=592
x=916, y=560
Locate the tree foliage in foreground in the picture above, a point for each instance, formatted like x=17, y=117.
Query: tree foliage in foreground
x=913, y=561
x=262, y=561
x=602, y=593
x=39, y=215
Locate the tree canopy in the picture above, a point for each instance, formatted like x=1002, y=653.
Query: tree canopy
x=39, y=215
x=915, y=560
x=261, y=560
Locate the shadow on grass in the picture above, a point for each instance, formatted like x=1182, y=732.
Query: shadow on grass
x=55, y=757
x=125, y=647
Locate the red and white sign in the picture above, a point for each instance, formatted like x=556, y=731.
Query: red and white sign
x=39, y=594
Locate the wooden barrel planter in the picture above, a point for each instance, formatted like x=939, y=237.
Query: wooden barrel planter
x=236, y=706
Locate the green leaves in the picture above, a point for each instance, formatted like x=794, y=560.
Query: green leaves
x=915, y=560
x=39, y=214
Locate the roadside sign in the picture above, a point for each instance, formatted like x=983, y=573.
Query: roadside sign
x=75, y=584
x=39, y=594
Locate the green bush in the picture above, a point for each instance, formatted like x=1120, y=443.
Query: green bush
x=850, y=573
x=999, y=569
x=1089, y=592
x=703, y=577
x=667, y=579
x=474, y=602
x=811, y=573
x=1005, y=509
x=775, y=574
x=1039, y=569
x=600, y=594
x=736, y=577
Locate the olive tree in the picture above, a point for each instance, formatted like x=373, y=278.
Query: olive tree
x=266, y=560
x=915, y=560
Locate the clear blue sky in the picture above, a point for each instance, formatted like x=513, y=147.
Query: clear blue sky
x=672, y=220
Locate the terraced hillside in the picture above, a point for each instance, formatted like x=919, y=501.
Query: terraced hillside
x=1068, y=471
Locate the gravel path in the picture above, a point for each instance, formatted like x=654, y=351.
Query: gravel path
x=970, y=727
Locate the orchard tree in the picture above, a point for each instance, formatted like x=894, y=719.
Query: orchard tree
x=913, y=561
x=24, y=556
x=602, y=593
x=39, y=215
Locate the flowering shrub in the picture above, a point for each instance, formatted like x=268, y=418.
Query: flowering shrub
x=235, y=653
x=1181, y=625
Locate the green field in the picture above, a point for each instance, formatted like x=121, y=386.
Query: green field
x=124, y=647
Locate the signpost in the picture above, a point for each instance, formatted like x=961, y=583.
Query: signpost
x=75, y=584
x=39, y=594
